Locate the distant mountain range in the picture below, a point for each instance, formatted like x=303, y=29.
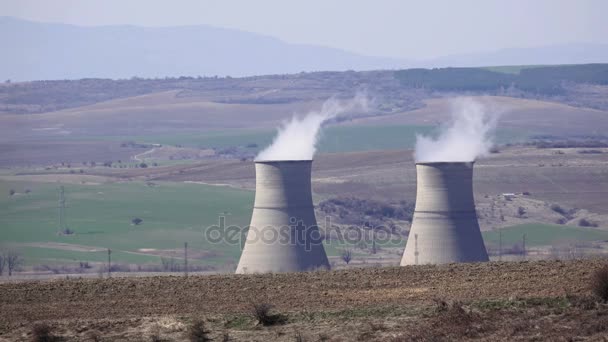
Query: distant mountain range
x=41, y=51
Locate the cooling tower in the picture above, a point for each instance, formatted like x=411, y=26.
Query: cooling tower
x=283, y=234
x=444, y=227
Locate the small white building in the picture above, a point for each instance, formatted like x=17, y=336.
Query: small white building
x=508, y=196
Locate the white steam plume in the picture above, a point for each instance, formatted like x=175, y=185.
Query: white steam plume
x=297, y=138
x=468, y=135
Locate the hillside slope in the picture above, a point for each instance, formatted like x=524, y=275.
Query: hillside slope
x=42, y=51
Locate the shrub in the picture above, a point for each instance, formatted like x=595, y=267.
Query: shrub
x=559, y=209
x=599, y=283
x=450, y=322
x=351, y=210
x=155, y=337
x=590, y=152
x=586, y=223
x=93, y=336
x=261, y=312
x=323, y=337
x=347, y=256
x=42, y=332
x=377, y=326
x=197, y=332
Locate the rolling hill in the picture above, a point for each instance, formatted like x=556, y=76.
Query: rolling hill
x=39, y=51
x=45, y=51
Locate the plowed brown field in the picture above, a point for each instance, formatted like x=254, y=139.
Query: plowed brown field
x=129, y=308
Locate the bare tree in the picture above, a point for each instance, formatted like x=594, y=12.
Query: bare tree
x=169, y=264
x=521, y=211
x=13, y=260
x=2, y=263
x=347, y=255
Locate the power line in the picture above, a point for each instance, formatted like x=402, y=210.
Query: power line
x=63, y=227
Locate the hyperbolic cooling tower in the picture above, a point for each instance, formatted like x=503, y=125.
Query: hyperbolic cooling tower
x=283, y=234
x=445, y=227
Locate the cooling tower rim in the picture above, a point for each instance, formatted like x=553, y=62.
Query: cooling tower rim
x=282, y=161
x=445, y=163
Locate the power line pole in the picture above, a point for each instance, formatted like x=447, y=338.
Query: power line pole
x=374, y=241
x=499, y=245
x=61, y=207
x=185, y=259
x=109, y=263
x=416, y=248
x=62, y=212
x=524, y=245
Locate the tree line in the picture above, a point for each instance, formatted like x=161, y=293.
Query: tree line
x=546, y=80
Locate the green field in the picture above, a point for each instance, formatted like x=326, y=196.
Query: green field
x=513, y=69
x=100, y=215
x=538, y=234
x=334, y=139
x=172, y=213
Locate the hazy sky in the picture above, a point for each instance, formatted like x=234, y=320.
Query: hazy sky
x=398, y=28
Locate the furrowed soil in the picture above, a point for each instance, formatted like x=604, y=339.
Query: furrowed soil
x=544, y=300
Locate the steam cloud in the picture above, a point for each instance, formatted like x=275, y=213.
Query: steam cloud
x=467, y=136
x=297, y=138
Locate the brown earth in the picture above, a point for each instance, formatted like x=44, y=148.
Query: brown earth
x=169, y=113
x=383, y=301
x=533, y=116
x=49, y=152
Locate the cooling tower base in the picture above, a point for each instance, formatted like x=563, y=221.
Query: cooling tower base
x=283, y=234
x=445, y=227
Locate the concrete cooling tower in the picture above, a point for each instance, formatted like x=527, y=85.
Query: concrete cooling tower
x=283, y=234
x=444, y=227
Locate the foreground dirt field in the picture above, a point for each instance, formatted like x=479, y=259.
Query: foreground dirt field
x=547, y=300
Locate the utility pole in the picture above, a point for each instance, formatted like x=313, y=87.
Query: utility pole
x=186, y=259
x=62, y=212
x=524, y=245
x=109, y=263
x=499, y=245
x=416, y=248
x=373, y=241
